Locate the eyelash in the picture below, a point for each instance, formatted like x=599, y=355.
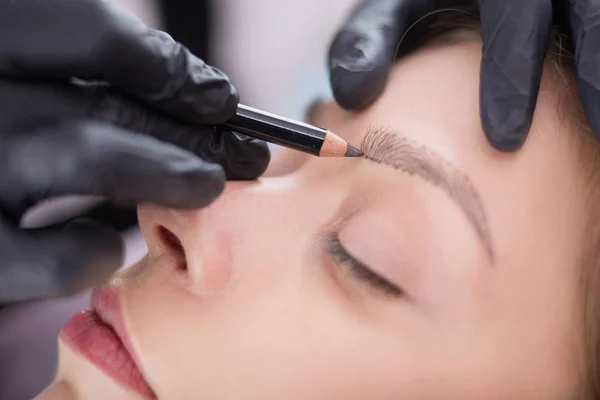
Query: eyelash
x=358, y=270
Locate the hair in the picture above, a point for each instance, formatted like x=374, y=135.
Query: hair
x=443, y=27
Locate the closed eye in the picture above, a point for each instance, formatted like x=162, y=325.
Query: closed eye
x=357, y=269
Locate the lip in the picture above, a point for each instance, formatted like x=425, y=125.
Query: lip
x=100, y=337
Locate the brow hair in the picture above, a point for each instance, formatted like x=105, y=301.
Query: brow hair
x=391, y=148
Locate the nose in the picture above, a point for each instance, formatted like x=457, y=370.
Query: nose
x=209, y=245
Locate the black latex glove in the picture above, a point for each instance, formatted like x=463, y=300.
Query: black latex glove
x=63, y=136
x=515, y=39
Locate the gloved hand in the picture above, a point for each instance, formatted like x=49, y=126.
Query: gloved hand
x=515, y=39
x=88, y=98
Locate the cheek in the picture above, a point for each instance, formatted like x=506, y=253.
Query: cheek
x=280, y=332
x=283, y=332
x=258, y=343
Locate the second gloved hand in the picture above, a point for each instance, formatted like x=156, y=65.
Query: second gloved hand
x=92, y=102
x=515, y=39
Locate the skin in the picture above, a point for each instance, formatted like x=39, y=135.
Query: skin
x=263, y=312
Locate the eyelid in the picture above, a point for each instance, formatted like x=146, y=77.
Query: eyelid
x=353, y=205
x=359, y=270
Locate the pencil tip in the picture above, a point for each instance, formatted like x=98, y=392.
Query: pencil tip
x=352, y=151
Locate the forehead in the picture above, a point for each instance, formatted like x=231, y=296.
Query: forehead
x=535, y=194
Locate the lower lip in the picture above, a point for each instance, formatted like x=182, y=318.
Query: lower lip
x=97, y=342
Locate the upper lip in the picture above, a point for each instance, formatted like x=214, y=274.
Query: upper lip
x=106, y=304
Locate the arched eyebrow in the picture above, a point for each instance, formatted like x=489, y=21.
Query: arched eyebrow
x=387, y=147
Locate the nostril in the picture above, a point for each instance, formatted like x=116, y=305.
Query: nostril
x=172, y=243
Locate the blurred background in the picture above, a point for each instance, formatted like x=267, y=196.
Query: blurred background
x=275, y=53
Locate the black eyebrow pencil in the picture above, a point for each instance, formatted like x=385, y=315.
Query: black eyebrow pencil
x=289, y=133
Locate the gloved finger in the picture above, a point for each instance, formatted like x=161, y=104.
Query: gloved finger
x=99, y=41
x=29, y=103
x=515, y=39
x=242, y=157
x=53, y=262
x=363, y=51
x=91, y=158
x=584, y=17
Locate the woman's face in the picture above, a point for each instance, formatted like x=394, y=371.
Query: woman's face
x=472, y=261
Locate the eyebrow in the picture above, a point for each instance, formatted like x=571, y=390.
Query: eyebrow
x=390, y=148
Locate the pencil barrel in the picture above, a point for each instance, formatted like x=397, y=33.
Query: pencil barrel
x=275, y=129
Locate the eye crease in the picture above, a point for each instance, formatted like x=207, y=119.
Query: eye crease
x=357, y=269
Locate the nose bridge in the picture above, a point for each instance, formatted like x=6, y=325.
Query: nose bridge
x=243, y=205
x=243, y=226
x=238, y=202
